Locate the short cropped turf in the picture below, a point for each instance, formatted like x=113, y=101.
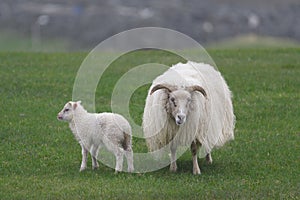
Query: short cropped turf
x=40, y=159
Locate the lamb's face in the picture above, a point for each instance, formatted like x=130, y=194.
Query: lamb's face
x=179, y=103
x=66, y=114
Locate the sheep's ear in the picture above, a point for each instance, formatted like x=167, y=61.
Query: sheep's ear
x=79, y=102
x=161, y=86
x=197, y=88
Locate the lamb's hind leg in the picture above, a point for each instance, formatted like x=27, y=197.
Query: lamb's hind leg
x=173, y=165
x=128, y=151
x=119, y=161
x=129, y=157
x=194, y=150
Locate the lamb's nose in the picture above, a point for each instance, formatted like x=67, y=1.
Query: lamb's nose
x=59, y=117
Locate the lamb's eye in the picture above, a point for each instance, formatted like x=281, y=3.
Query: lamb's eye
x=66, y=110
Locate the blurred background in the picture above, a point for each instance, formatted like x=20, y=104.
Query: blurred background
x=79, y=25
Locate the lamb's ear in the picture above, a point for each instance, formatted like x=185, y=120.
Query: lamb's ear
x=197, y=88
x=169, y=88
x=78, y=102
x=75, y=105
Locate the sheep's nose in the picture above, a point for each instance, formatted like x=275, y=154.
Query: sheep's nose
x=180, y=119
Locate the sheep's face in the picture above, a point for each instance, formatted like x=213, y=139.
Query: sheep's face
x=179, y=100
x=66, y=114
x=178, y=105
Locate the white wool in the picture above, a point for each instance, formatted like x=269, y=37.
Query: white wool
x=210, y=120
x=99, y=128
x=94, y=130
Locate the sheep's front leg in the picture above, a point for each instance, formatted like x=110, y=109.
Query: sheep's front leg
x=84, y=153
x=173, y=165
x=194, y=150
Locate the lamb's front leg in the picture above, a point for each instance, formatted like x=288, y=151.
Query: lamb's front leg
x=173, y=165
x=194, y=150
x=94, y=155
x=84, y=153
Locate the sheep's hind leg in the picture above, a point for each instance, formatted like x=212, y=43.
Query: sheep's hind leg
x=84, y=153
x=194, y=150
x=173, y=165
x=208, y=158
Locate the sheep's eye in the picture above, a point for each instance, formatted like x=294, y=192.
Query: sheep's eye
x=66, y=110
x=173, y=101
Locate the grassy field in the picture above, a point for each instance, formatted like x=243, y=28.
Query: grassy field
x=13, y=41
x=40, y=159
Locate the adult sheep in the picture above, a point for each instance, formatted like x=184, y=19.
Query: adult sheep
x=190, y=105
x=94, y=130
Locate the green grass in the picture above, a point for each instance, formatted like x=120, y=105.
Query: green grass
x=14, y=41
x=255, y=41
x=40, y=159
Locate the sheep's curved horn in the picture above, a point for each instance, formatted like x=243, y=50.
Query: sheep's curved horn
x=160, y=86
x=197, y=88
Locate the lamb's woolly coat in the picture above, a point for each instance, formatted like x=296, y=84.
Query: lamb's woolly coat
x=210, y=120
x=94, y=130
x=99, y=129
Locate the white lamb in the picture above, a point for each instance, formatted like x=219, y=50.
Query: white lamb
x=94, y=130
x=190, y=105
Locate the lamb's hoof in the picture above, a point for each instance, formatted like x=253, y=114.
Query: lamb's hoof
x=82, y=169
x=130, y=170
x=117, y=171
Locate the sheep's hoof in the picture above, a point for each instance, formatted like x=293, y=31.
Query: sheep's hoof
x=95, y=166
x=173, y=167
x=196, y=171
x=208, y=159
